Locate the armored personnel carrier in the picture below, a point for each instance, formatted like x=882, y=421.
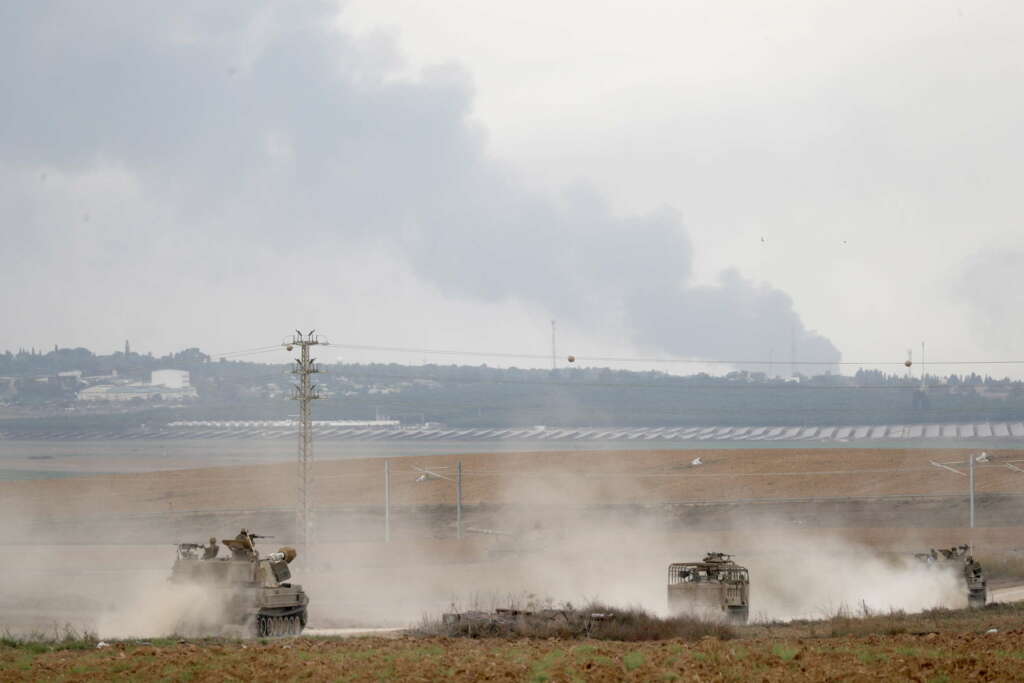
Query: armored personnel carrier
x=716, y=583
x=252, y=592
x=959, y=559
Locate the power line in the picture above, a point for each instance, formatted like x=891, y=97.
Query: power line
x=649, y=359
x=246, y=352
x=674, y=383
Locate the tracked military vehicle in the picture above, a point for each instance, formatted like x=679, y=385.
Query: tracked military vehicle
x=714, y=584
x=249, y=591
x=959, y=559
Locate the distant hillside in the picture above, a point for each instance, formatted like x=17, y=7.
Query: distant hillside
x=481, y=396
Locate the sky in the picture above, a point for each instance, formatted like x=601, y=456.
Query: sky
x=731, y=180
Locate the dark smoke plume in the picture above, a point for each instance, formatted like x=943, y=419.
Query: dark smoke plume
x=217, y=124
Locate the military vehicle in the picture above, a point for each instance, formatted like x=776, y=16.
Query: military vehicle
x=716, y=583
x=959, y=559
x=252, y=592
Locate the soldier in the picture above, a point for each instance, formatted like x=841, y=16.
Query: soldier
x=244, y=537
x=210, y=551
x=241, y=546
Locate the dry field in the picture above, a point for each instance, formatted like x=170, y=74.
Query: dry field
x=579, y=478
x=573, y=525
x=920, y=506
x=929, y=657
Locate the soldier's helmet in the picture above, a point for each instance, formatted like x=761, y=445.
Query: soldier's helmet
x=213, y=541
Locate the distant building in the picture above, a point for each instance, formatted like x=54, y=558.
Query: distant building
x=120, y=392
x=172, y=379
x=164, y=385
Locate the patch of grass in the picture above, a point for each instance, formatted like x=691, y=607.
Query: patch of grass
x=540, y=669
x=1015, y=654
x=784, y=652
x=61, y=638
x=634, y=660
x=868, y=657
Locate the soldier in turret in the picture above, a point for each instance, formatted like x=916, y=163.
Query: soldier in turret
x=245, y=539
x=210, y=551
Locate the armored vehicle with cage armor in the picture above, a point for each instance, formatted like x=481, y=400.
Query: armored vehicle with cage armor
x=715, y=584
x=250, y=591
x=959, y=559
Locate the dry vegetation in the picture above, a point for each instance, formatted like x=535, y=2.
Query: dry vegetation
x=931, y=657
x=595, y=621
x=861, y=623
x=933, y=646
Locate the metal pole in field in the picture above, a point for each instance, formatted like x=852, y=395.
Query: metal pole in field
x=971, y=469
x=458, y=499
x=553, y=363
x=387, y=502
x=305, y=393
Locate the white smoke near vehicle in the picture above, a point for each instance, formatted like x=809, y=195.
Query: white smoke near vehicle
x=155, y=607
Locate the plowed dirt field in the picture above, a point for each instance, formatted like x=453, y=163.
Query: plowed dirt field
x=931, y=657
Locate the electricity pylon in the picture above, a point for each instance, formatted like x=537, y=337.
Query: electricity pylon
x=305, y=392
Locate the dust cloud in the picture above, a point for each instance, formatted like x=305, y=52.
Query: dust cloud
x=553, y=542
x=530, y=541
x=156, y=608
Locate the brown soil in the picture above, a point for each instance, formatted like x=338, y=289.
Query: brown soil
x=575, y=478
x=932, y=656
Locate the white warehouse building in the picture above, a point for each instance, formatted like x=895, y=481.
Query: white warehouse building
x=172, y=379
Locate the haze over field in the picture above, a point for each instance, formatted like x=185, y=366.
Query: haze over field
x=721, y=182
x=580, y=292
x=557, y=526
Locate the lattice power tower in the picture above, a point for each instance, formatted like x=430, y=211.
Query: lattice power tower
x=305, y=393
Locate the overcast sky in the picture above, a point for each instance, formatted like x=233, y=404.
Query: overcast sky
x=720, y=180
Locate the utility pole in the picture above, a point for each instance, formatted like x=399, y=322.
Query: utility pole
x=458, y=499
x=922, y=367
x=305, y=393
x=792, y=350
x=970, y=457
x=387, y=501
x=553, y=366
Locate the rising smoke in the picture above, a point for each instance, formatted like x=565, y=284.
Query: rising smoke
x=192, y=151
